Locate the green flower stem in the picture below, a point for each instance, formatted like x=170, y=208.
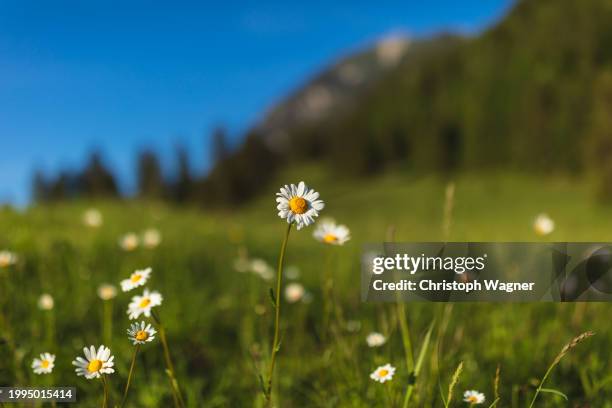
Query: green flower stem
x=176, y=391
x=130, y=375
x=277, y=310
x=105, y=384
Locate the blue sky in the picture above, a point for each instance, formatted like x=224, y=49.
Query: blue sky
x=124, y=75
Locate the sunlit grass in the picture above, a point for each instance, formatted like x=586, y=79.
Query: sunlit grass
x=218, y=320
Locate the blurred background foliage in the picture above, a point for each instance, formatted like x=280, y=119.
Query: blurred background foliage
x=533, y=92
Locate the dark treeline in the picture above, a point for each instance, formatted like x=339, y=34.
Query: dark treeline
x=529, y=93
x=231, y=180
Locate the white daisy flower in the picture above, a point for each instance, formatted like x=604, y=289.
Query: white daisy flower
x=106, y=291
x=44, y=364
x=383, y=373
x=143, y=304
x=375, y=339
x=262, y=269
x=129, y=242
x=473, y=397
x=137, y=278
x=543, y=225
x=7, y=258
x=151, y=238
x=141, y=333
x=298, y=204
x=95, y=362
x=330, y=233
x=294, y=292
x=46, y=302
x=92, y=218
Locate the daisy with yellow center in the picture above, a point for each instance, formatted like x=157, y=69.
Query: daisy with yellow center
x=543, y=225
x=46, y=302
x=151, y=238
x=298, y=204
x=375, y=339
x=92, y=218
x=129, y=242
x=328, y=232
x=383, y=373
x=141, y=333
x=294, y=292
x=96, y=362
x=143, y=304
x=44, y=364
x=474, y=397
x=7, y=258
x=136, y=279
x=107, y=291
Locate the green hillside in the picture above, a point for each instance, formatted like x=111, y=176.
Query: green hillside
x=532, y=92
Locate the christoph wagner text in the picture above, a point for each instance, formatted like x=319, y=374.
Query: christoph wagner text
x=467, y=287
x=412, y=264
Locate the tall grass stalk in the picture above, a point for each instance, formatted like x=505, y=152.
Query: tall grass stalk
x=277, y=311
x=453, y=384
x=130, y=375
x=564, y=351
x=447, y=216
x=418, y=365
x=176, y=391
x=328, y=289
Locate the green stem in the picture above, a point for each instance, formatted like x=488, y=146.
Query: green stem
x=277, y=309
x=541, y=384
x=130, y=375
x=105, y=384
x=176, y=391
x=328, y=285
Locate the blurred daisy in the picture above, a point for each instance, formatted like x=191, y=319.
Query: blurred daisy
x=353, y=326
x=375, y=339
x=107, y=291
x=151, y=238
x=95, y=362
x=143, y=304
x=294, y=292
x=92, y=218
x=543, y=225
x=292, y=272
x=7, y=258
x=141, y=333
x=330, y=233
x=129, y=242
x=262, y=269
x=138, y=278
x=383, y=373
x=45, y=302
x=298, y=204
x=474, y=397
x=44, y=364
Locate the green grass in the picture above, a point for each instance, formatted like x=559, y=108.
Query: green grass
x=219, y=321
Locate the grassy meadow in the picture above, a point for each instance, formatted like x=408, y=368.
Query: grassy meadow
x=219, y=321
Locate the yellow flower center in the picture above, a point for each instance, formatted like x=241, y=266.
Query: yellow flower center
x=136, y=277
x=329, y=238
x=144, y=302
x=383, y=373
x=142, y=335
x=298, y=205
x=94, y=365
x=472, y=398
x=44, y=364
